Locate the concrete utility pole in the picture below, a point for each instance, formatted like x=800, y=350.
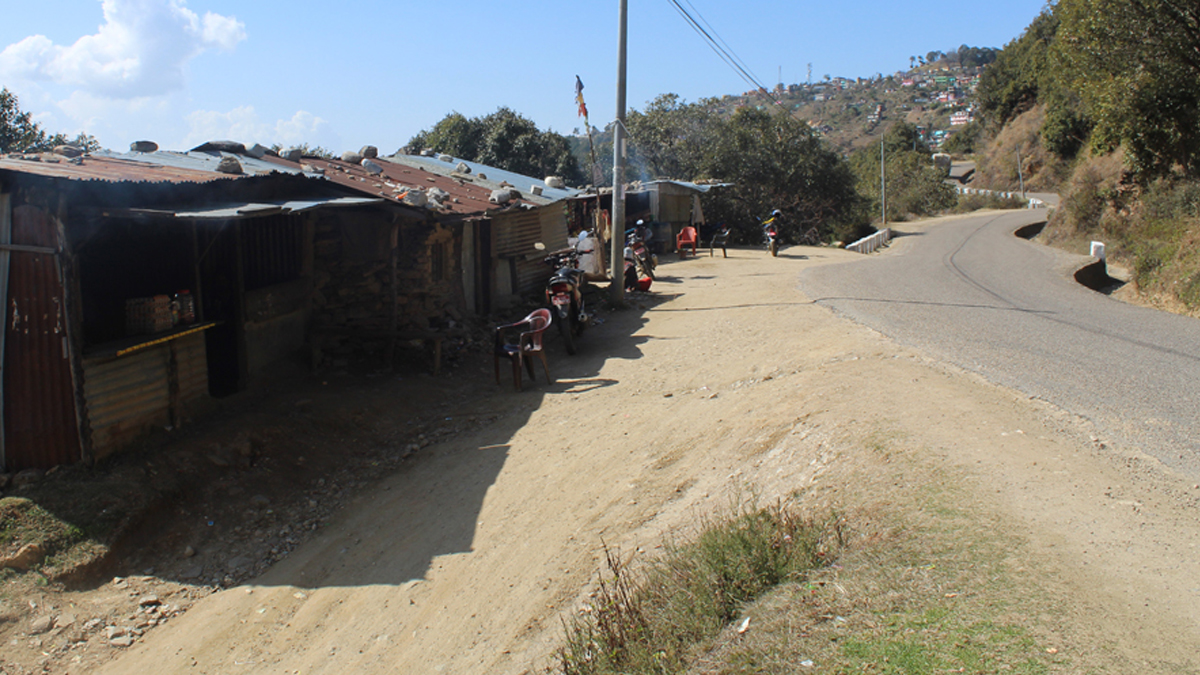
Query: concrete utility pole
x=882, y=182
x=617, y=287
x=1020, y=174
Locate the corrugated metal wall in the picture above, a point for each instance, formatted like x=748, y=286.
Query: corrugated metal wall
x=129, y=395
x=515, y=234
x=40, y=426
x=554, y=225
x=273, y=250
x=192, y=364
x=126, y=396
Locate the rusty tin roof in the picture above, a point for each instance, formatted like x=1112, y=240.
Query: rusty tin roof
x=107, y=169
x=468, y=194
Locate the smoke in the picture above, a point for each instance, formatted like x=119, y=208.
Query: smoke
x=141, y=50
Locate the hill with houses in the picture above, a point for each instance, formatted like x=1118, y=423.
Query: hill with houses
x=937, y=97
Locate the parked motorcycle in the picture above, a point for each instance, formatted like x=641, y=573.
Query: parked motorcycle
x=645, y=260
x=632, y=280
x=564, y=294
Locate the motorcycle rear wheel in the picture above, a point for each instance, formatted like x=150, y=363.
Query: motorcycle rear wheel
x=567, y=331
x=774, y=248
x=647, y=270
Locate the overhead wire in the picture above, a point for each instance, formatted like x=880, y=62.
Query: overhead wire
x=725, y=45
x=720, y=47
x=713, y=45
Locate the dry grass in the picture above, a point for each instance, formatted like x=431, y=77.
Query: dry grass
x=1153, y=231
x=657, y=618
x=921, y=584
x=996, y=164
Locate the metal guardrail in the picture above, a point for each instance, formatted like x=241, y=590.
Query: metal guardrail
x=1031, y=202
x=881, y=238
x=872, y=243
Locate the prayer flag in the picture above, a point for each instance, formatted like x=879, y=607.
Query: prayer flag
x=579, y=97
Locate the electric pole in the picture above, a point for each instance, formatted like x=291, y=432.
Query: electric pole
x=1020, y=174
x=617, y=286
x=882, y=183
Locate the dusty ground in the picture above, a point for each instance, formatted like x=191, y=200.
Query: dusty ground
x=419, y=524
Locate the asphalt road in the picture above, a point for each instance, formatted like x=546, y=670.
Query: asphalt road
x=970, y=292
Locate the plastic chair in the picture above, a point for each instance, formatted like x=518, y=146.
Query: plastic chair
x=528, y=333
x=720, y=239
x=686, y=237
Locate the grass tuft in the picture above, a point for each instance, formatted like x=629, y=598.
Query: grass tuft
x=658, y=618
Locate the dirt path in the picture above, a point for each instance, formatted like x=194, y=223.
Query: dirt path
x=728, y=383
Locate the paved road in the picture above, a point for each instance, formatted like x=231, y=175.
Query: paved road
x=969, y=292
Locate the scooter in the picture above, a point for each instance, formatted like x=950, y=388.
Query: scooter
x=641, y=254
x=564, y=294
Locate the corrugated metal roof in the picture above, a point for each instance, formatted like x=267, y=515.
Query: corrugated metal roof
x=254, y=209
x=468, y=196
x=698, y=187
x=142, y=167
x=206, y=160
x=494, y=176
x=108, y=169
x=468, y=193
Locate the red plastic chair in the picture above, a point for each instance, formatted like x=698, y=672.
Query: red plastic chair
x=528, y=333
x=686, y=237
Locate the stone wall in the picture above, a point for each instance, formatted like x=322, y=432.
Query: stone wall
x=353, y=279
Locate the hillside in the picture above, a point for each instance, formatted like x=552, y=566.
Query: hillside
x=850, y=113
x=1100, y=102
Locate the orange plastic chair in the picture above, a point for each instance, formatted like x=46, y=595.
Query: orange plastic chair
x=528, y=333
x=686, y=237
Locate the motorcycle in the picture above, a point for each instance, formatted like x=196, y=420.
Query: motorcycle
x=645, y=260
x=632, y=280
x=565, y=294
x=771, y=234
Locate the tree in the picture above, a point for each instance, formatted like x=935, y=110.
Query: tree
x=669, y=138
x=503, y=139
x=914, y=186
x=19, y=133
x=1136, y=64
x=454, y=135
x=1011, y=84
x=776, y=162
x=964, y=140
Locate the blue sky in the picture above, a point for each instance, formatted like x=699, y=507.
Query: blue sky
x=344, y=75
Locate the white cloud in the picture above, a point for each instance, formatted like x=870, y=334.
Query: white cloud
x=141, y=50
x=243, y=124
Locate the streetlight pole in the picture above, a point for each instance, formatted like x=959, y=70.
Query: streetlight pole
x=617, y=286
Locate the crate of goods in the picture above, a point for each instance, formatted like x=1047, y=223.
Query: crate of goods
x=148, y=315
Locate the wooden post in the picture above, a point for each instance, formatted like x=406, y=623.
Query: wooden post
x=394, y=322
x=5, y=258
x=239, y=331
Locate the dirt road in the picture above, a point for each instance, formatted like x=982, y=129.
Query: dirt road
x=727, y=382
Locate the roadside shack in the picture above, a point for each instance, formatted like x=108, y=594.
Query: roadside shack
x=136, y=287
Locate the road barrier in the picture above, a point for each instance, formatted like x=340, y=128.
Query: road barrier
x=871, y=243
x=1031, y=202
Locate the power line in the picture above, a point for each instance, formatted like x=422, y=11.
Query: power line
x=724, y=56
x=724, y=44
x=719, y=46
